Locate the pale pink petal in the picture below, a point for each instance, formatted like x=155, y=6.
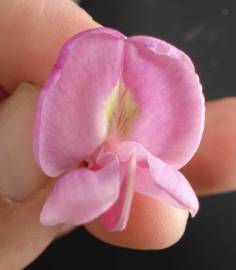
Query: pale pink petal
x=167, y=90
x=157, y=179
x=70, y=121
x=116, y=218
x=83, y=194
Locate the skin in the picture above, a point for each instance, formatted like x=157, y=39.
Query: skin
x=33, y=33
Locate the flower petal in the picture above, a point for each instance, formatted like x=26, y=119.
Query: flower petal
x=157, y=179
x=167, y=90
x=116, y=218
x=70, y=120
x=82, y=195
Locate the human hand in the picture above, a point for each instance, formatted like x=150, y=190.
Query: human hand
x=32, y=33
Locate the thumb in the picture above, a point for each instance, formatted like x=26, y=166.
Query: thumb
x=19, y=174
x=19, y=178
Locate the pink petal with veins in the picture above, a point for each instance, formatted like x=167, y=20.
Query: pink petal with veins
x=83, y=194
x=70, y=122
x=169, y=96
x=116, y=218
x=159, y=180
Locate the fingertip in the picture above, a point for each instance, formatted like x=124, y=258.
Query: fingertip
x=152, y=225
x=34, y=32
x=212, y=170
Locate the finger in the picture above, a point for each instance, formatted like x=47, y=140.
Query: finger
x=19, y=174
x=152, y=225
x=213, y=170
x=32, y=33
x=23, y=187
x=22, y=236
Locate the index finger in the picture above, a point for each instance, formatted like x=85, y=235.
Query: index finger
x=31, y=37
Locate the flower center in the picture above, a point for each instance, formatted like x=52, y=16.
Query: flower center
x=108, y=146
x=121, y=111
x=84, y=164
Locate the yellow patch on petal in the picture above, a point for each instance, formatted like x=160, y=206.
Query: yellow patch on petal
x=121, y=110
x=111, y=107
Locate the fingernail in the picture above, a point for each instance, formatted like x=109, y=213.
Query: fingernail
x=19, y=174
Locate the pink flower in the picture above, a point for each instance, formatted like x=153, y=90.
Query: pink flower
x=117, y=115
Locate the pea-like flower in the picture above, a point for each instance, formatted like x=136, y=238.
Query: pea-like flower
x=116, y=116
